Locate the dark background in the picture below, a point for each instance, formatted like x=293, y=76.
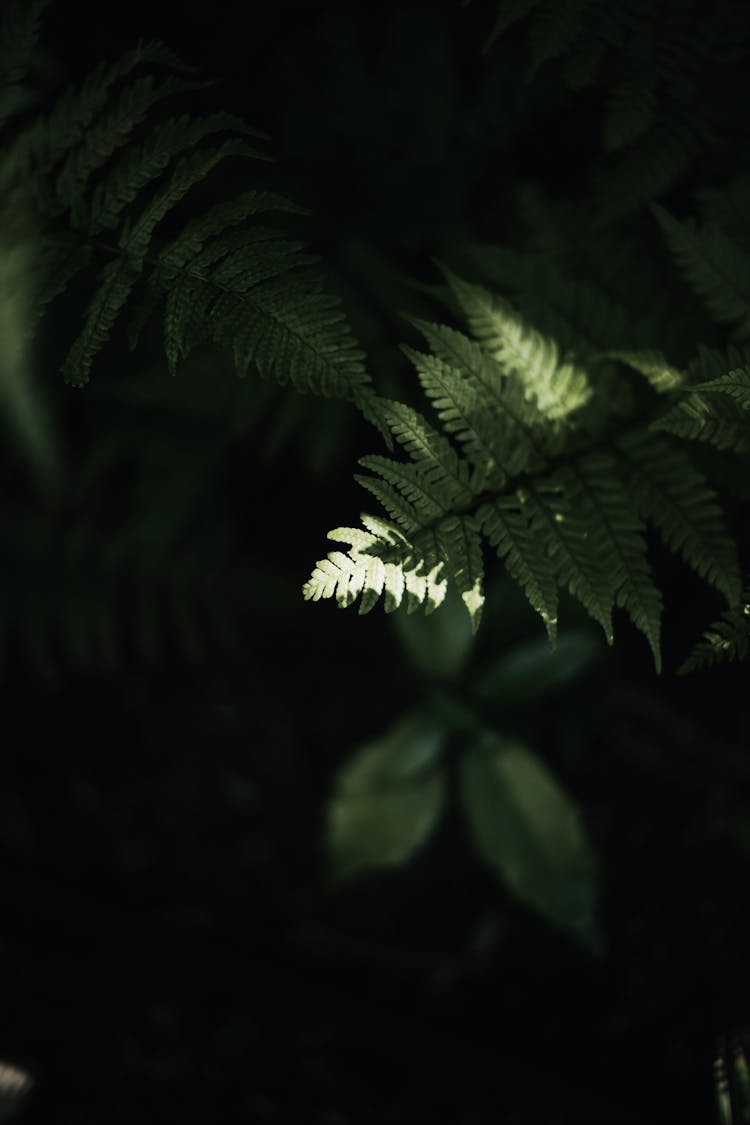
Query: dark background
x=170, y=947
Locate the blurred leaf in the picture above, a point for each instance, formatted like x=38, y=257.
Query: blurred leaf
x=22, y=404
x=438, y=644
x=529, y=830
x=732, y=1080
x=388, y=798
x=530, y=671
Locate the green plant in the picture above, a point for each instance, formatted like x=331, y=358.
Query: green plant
x=558, y=462
x=580, y=411
x=391, y=794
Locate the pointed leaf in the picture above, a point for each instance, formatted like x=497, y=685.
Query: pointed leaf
x=387, y=799
x=529, y=830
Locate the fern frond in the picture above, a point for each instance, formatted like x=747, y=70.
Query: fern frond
x=461, y=545
x=424, y=497
x=727, y=639
x=717, y=412
x=570, y=510
x=462, y=412
x=434, y=458
x=563, y=519
x=653, y=365
x=518, y=440
x=395, y=503
x=717, y=269
x=101, y=161
x=366, y=570
x=106, y=135
x=582, y=320
x=623, y=544
x=670, y=492
x=558, y=388
x=505, y=525
x=710, y=363
x=53, y=137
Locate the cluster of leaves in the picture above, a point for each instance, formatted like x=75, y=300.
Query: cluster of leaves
x=102, y=190
x=391, y=795
x=543, y=446
x=557, y=463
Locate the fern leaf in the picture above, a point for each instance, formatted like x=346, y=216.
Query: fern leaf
x=670, y=492
x=558, y=388
x=505, y=525
x=435, y=459
x=424, y=497
x=717, y=270
x=106, y=135
x=51, y=138
x=512, y=425
x=710, y=363
x=461, y=412
x=460, y=542
x=398, y=508
x=191, y=170
x=734, y=385
x=727, y=639
x=218, y=221
x=118, y=278
x=296, y=334
x=717, y=412
x=653, y=365
x=208, y=299
x=563, y=518
x=624, y=546
x=360, y=572
x=144, y=165
x=114, y=285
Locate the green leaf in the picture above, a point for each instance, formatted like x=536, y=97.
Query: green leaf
x=387, y=798
x=459, y=539
x=529, y=830
x=714, y=265
x=556, y=385
x=530, y=671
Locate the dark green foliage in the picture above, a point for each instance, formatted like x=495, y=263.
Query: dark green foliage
x=571, y=393
x=546, y=427
x=725, y=640
x=550, y=469
x=105, y=176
